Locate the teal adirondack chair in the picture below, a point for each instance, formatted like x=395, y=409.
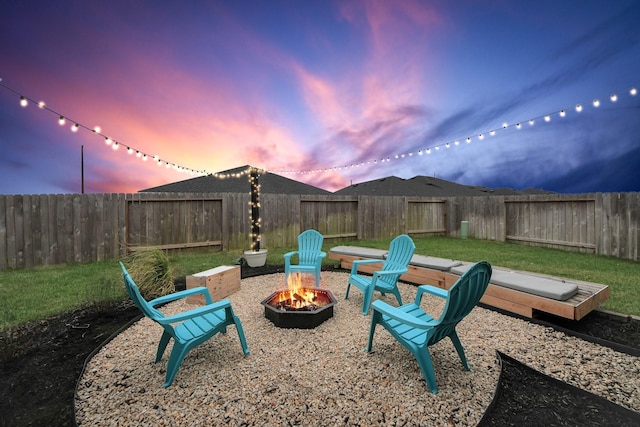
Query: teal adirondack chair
x=310, y=256
x=385, y=280
x=417, y=330
x=188, y=329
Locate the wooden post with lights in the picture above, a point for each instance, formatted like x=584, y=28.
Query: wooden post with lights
x=255, y=209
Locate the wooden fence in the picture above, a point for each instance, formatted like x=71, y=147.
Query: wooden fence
x=38, y=230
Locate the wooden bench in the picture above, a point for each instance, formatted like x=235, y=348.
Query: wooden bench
x=588, y=297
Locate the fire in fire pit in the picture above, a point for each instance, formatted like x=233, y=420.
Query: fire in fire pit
x=299, y=306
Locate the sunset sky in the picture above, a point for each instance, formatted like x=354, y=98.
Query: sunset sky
x=324, y=92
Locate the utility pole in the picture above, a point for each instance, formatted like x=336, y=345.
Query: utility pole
x=82, y=167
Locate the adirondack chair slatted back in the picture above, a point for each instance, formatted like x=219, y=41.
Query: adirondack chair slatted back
x=386, y=279
x=309, y=253
x=138, y=299
x=400, y=252
x=309, y=246
x=464, y=295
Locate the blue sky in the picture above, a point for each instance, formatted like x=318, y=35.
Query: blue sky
x=325, y=92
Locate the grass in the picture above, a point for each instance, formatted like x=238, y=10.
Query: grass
x=27, y=295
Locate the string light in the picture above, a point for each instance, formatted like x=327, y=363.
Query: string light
x=24, y=102
x=62, y=120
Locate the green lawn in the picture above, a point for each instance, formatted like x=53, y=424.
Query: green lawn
x=38, y=293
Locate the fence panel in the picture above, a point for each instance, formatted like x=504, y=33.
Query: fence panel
x=426, y=216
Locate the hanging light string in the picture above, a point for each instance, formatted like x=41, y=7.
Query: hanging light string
x=75, y=126
x=479, y=136
x=115, y=145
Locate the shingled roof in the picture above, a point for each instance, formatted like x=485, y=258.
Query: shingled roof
x=269, y=183
x=423, y=186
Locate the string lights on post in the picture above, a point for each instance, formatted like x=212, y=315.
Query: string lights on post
x=255, y=257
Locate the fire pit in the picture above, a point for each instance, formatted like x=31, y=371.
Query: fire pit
x=298, y=306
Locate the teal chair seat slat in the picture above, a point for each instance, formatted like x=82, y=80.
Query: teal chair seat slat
x=416, y=330
x=385, y=280
x=310, y=256
x=188, y=329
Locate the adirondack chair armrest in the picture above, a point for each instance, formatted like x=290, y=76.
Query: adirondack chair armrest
x=290, y=254
x=322, y=255
x=390, y=272
x=185, y=315
x=399, y=315
x=433, y=290
x=356, y=263
x=182, y=294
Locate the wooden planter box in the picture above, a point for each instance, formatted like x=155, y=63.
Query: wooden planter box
x=221, y=281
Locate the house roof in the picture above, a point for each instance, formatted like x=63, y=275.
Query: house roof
x=424, y=186
x=236, y=181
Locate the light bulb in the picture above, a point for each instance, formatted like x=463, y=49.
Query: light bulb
x=633, y=91
x=130, y=150
x=578, y=108
x=562, y=113
x=75, y=127
x=517, y=125
x=108, y=141
x=504, y=125
x=97, y=129
x=23, y=101
x=456, y=142
x=492, y=132
x=61, y=120
x=481, y=136
x=468, y=140
x=41, y=104
x=613, y=97
x=530, y=122
x=115, y=146
x=547, y=118
x=596, y=103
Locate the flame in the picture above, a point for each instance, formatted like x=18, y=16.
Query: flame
x=298, y=295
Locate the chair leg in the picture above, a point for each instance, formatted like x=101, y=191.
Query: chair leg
x=317, y=279
x=162, y=345
x=346, y=294
x=240, y=330
x=426, y=366
x=175, y=360
x=396, y=292
x=375, y=318
x=458, y=345
x=368, y=296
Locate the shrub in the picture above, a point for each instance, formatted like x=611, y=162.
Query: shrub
x=150, y=269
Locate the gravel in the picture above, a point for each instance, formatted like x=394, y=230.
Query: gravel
x=323, y=376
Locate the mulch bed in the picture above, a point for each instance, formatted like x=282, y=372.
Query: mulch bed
x=42, y=361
